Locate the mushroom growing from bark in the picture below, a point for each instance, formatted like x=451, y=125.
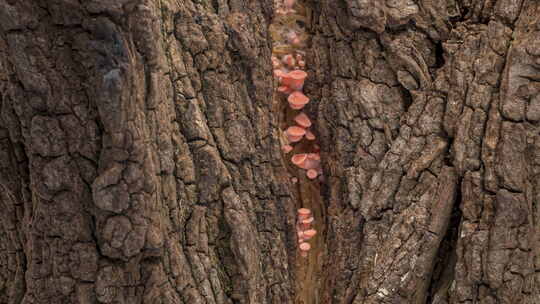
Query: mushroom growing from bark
x=304, y=248
x=306, y=224
x=303, y=213
x=299, y=159
x=286, y=149
x=297, y=100
x=295, y=80
x=295, y=134
x=312, y=173
x=308, y=234
x=303, y=120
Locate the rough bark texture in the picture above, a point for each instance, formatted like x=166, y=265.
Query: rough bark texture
x=140, y=162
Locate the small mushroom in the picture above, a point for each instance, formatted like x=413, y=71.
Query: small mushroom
x=312, y=173
x=297, y=100
x=308, y=234
x=295, y=80
x=299, y=159
x=310, y=135
x=295, y=134
x=303, y=120
x=306, y=224
x=303, y=213
x=286, y=149
x=284, y=90
x=305, y=247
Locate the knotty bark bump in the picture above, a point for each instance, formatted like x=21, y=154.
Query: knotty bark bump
x=140, y=162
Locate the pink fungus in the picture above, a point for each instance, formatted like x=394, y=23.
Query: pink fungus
x=296, y=131
x=310, y=135
x=314, y=156
x=306, y=224
x=308, y=234
x=286, y=149
x=297, y=100
x=295, y=80
x=305, y=246
x=295, y=134
x=284, y=90
x=294, y=180
x=303, y=213
x=300, y=236
x=303, y=120
x=299, y=159
x=311, y=164
x=312, y=173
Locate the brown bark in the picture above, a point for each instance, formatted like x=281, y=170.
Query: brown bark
x=140, y=161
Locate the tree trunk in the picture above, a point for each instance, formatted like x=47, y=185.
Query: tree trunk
x=140, y=158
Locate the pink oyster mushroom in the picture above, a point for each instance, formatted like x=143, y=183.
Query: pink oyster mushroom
x=294, y=80
x=303, y=213
x=306, y=224
x=286, y=149
x=284, y=90
x=303, y=120
x=308, y=234
x=297, y=100
x=295, y=134
x=312, y=173
x=304, y=248
x=310, y=135
x=299, y=159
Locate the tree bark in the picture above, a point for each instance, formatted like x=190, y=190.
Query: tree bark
x=140, y=159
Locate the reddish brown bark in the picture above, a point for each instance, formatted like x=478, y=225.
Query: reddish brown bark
x=140, y=160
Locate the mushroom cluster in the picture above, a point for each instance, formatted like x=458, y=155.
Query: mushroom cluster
x=304, y=230
x=289, y=70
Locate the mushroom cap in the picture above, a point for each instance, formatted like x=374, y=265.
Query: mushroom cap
x=293, y=138
x=309, y=220
x=296, y=107
x=309, y=233
x=312, y=173
x=284, y=89
x=298, y=74
x=310, y=135
x=304, y=246
x=296, y=131
x=299, y=159
x=311, y=164
x=303, y=120
x=286, y=149
x=304, y=211
x=294, y=180
x=314, y=156
x=297, y=99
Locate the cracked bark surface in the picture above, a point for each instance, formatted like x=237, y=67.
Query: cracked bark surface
x=140, y=161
